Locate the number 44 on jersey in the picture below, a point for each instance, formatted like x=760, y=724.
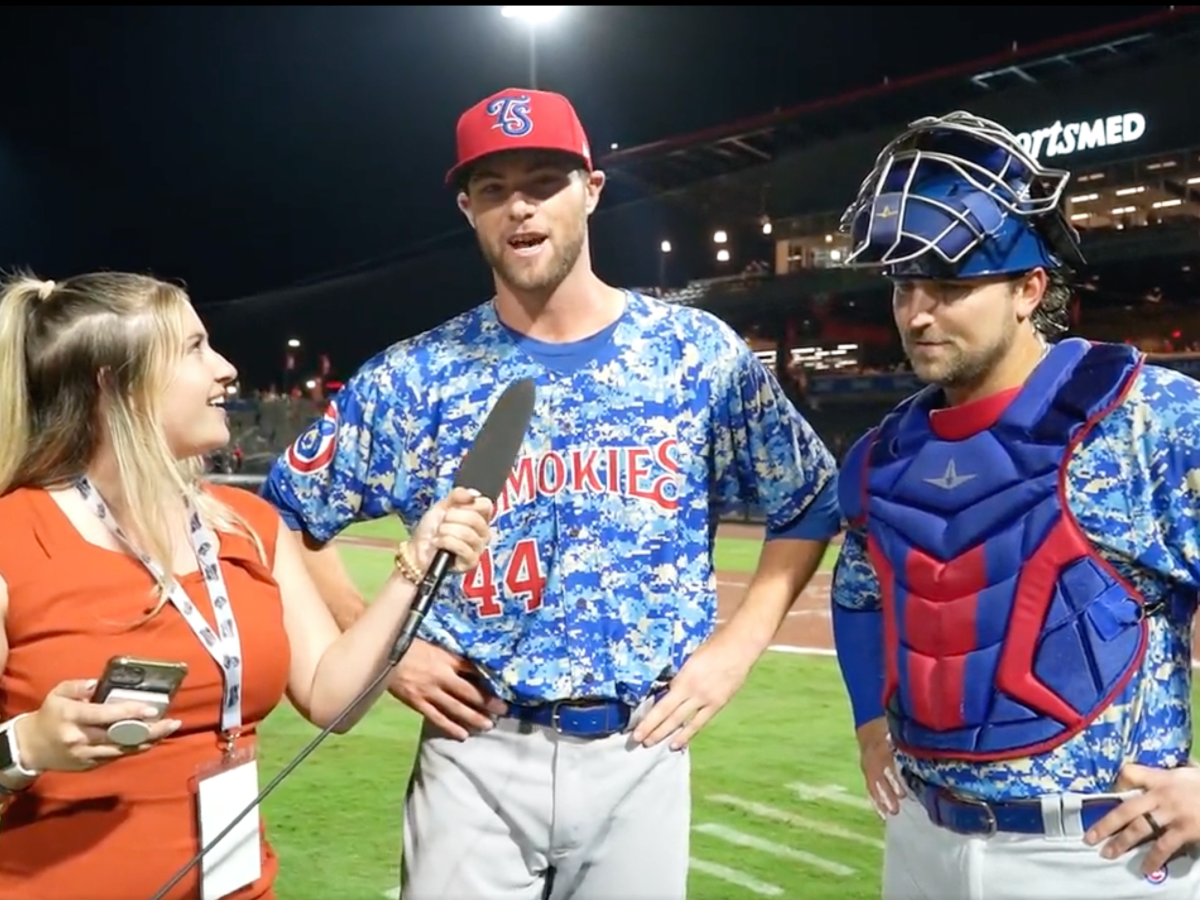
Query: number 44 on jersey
x=521, y=580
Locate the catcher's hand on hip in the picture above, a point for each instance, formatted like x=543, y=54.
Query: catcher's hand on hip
x=877, y=759
x=1165, y=814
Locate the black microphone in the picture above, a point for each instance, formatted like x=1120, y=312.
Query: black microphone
x=485, y=468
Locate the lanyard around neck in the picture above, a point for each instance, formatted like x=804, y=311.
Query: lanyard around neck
x=223, y=644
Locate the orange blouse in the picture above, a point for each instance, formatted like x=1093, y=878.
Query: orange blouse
x=121, y=831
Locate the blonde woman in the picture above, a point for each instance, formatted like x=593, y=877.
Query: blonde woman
x=111, y=544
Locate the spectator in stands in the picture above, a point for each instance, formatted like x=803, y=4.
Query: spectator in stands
x=111, y=545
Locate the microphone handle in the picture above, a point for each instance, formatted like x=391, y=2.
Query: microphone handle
x=426, y=590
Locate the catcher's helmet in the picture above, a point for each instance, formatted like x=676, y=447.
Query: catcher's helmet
x=956, y=196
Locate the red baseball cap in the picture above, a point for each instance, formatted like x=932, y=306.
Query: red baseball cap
x=516, y=119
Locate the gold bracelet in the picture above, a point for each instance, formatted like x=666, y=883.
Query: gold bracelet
x=404, y=563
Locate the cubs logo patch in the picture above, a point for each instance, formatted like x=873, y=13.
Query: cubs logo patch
x=1158, y=876
x=313, y=450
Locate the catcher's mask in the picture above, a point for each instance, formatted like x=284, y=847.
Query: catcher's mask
x=956, y=196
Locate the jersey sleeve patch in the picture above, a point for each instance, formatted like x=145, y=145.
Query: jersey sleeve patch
x=314, y=449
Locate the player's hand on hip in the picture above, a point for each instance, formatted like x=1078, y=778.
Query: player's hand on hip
x=439, y=685
x=69, y=733
x=1166, y=814
x=877, y=757
x=705, y=683
x=457, y=523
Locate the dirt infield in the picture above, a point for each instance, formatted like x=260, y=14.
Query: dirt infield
x=807, y=626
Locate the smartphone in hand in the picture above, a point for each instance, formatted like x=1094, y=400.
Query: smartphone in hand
x=149, y=681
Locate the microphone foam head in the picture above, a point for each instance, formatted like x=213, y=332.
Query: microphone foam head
x=494, y=452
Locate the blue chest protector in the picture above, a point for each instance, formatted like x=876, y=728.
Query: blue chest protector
x=1005, y=633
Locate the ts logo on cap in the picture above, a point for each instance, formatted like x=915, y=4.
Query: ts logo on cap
x=511, y=115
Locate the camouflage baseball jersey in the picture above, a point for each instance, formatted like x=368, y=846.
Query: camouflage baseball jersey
x=1132, y=486
x=600, y=576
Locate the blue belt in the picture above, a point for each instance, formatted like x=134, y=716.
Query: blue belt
x=968, y=816
x=582, y=718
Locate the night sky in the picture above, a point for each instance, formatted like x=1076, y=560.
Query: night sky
x=241, y=150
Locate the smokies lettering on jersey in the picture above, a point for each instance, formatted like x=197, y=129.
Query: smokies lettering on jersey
x=640, y=473
x=600, y=573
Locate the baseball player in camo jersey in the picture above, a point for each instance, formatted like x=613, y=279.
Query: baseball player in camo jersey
x=1012, y=605
x=562, y=679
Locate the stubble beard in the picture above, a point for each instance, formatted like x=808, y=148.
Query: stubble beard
x=540, y=279
x=962, y=370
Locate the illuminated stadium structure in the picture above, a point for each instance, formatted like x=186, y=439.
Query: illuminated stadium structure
x=1114, y=105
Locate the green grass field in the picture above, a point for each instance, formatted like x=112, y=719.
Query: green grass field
x=779, y=809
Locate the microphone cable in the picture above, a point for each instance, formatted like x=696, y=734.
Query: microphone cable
x=285, y=771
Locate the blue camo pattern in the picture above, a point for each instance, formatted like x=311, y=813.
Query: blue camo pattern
x=1133, y=484
x=1134, y=487
x=601, y=559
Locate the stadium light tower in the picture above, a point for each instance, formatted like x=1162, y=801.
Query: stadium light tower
x=532, y=16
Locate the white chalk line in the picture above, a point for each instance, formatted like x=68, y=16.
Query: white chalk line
x=833, y=793
x=734, y=877
x=778, y=816
x=750, y=842
x=792, y=820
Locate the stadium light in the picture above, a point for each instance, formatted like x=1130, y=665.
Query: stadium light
x=532, y=16
x=722, y=255
x=293, y=343
x=720, y=237
x=665, y=248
